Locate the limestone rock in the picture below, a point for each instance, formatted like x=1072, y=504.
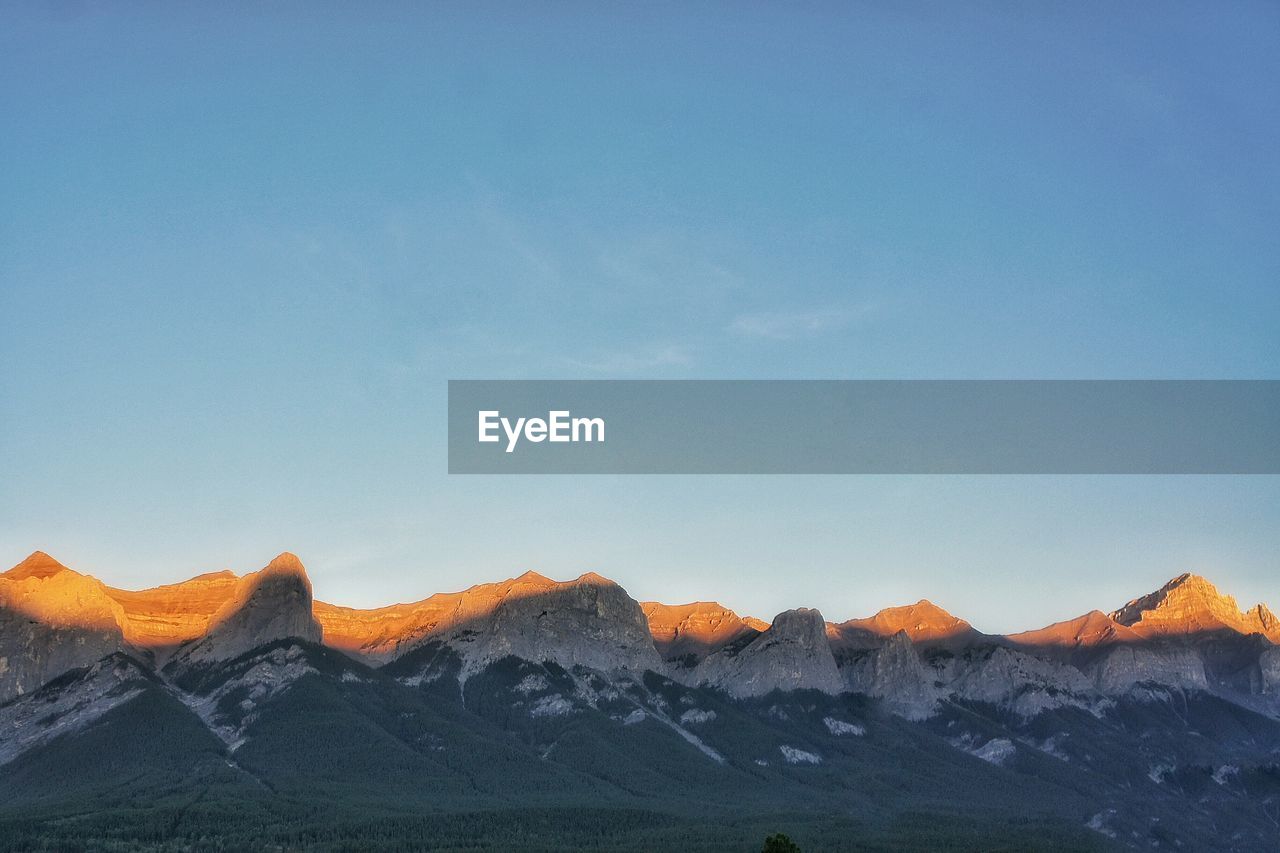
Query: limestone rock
x=1189, y=604
x=1020, y=681
x=793, y=654
x=922, y=622
x=1091, y=630
x=893, y=672
x=1269, y=663
x=589, y=622
x=686, y=633
x=69, y=705
x=52, y=619
x=164, y=617
x=265, y=606
x=1128, y=665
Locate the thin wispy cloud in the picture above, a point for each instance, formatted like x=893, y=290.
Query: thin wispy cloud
x=791, y=325
x=628, y=362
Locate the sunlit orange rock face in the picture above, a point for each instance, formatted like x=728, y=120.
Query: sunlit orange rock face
x=692, y=631
x=51, y=620
x=1095, y=628
x=380, y=633
x=44, y=590
x=1189, y=604
x=923, y=622
x=589, y=620
x=262, y=607
x=173, y=614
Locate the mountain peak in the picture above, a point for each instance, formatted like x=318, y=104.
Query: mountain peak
x=271, y=604
x=801, y=623
x=37, y=565
x=590, y=621
x=286, y=562
x=1270, y=624
x=1095, y=628
x=534, y=579
x=793, y=654
x=51, y=620
x=689, y=632
x=1190, y=604
x=923, y=621
x=164, y=617
x=1188, y=580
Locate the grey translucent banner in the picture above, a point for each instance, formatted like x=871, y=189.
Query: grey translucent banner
x=864, y=427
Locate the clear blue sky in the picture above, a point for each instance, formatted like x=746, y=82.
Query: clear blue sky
x=242, y=249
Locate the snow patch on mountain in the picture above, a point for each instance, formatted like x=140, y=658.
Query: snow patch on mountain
x=697, y=716
x=840, y=727
x=792, y=755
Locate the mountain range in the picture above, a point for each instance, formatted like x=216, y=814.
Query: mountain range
x=229, y=712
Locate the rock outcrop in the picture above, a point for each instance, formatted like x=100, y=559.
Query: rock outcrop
x=1185, y=635
x=686, y=633
x=793, y=654
x=1269, y=664
x=1018, y=681
x=265, y=606
x=589, y=622
x=52, y=620
x=922, y=622
x=1091, y=630
x=164, y=617
x=1127, y=666
x=893, y=672
x=69, y=704
x=1189, y=604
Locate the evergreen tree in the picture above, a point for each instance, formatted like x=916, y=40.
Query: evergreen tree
x=779, y=843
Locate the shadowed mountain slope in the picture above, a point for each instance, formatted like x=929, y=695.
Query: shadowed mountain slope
x=227, y=706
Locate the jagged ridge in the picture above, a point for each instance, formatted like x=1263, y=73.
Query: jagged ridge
x=53, y=619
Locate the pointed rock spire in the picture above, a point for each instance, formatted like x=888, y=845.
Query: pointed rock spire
x=1190, y=604
x=793, y=654
x=37, y=565
x=268, y=605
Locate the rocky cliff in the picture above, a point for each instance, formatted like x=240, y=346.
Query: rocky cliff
x=52, y=619
x=1185, y=635
x=686, y=633
x=589, y=622
x=1189, y=604
x=923, y=623
x=1091, y=630
x=892, y=671
x=793, y=654
x=265, y=606
x=167, y=616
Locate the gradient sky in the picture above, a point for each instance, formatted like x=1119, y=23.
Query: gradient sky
x=242, y=249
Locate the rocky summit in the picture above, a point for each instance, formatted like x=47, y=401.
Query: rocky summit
x=261, y=607
x=1189, y=604
x=1144, y=726
x=791, y=654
